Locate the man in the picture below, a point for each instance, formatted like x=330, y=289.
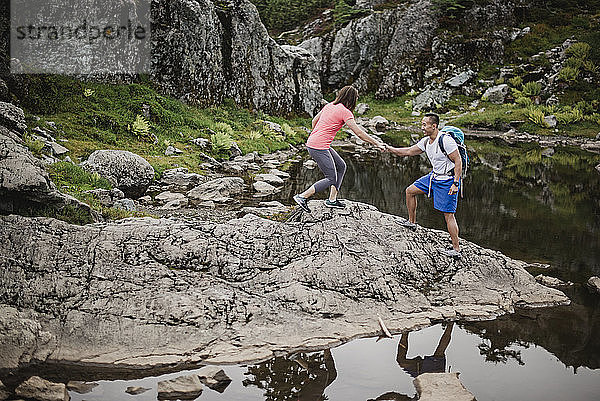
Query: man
x=442, y=182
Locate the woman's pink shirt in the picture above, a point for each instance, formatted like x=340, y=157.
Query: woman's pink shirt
x=333, y=117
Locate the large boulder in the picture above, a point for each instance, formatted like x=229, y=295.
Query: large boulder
x=25, y=186
x=129, y=172
x=200, y=291
x=207, y=51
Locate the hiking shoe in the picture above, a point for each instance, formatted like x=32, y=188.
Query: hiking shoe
x=302, y=202
x=407, y=224
x=452, y=253
x=335, y=204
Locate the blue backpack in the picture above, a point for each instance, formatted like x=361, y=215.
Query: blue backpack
x=459, y=138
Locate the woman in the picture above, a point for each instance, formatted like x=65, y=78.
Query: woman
x=325, y=125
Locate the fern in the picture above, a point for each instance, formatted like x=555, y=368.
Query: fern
x=568, y=74
x=524, y=101
x=532, y=89
x=579, y=50
x=221, y=142
x=536, y=116
x=516, y=82
x=140, y=127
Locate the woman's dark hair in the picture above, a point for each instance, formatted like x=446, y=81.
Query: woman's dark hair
x=347, y=96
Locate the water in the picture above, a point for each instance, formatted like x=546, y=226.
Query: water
x=546, y=212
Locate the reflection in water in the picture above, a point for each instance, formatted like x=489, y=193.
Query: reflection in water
x=303, y=377
x=551, y=217
x=435, y=363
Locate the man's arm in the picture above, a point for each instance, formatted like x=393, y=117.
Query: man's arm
x=457, y=160
x=409, y=151
x=363, y=135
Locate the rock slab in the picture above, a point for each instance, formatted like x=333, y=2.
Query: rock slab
x=441, y=387
x=181, y=388
x=42, y=390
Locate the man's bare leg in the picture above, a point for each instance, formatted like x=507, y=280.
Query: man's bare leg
x=411, y=202
x=452, y=229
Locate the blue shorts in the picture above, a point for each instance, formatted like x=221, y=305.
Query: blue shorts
x=441, y=200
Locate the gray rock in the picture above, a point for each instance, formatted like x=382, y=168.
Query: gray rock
x=264, y=188
x=310, y=164
x=552, y=282
x=57, y=149
x=68, y=160
x=380, y=123
x=166, y=197
x=189, y=282
x=273, y=126
x=135, y=390
x=362, y=108
x=175, y=204
x=22, y=340
x=279, y=173
x=12, y=117
x=430, y=99
x=183, y=388
x=214, y=378
x=269, y=178
x=131, y=173
x=598, y=136
x=219, y=190
x=594, y=284
x=201, y=142
x=125, y=204
x=235, y=150
x=459, y=80
x=81, y=387
x=496, y=94
x=550, y=121
x=24, y=182
x=42, y=390
x=598, y=168
x=200, y=53
x=179, y=179
x=441, y=387
x=171, y=150
x=547, y=152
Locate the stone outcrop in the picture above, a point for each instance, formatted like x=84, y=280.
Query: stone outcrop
x=217, y=190
x=181, y=388
x=389, y=53
x=207, y=51
x=24, y=183
x=147, y=292
x=131, y=173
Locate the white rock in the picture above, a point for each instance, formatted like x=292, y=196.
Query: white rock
x=218, y=190
x=125, y=204
x=166, y=197
x=279, y=173
x=594, y=284
x=214, y=378
x=263, y=187
x=551, y=121
x=270, y=178
x=441, y=387
x=202, y=142
x=183, y=387
x=310, y=164
x=362, y=108
x=496, y=94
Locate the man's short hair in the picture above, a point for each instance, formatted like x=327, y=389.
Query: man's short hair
x=433, y=119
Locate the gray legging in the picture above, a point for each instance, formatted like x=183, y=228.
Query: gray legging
x=332, y=165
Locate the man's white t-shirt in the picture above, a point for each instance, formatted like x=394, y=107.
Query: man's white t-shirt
x=441, y=164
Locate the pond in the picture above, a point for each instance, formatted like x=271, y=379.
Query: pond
x=529, y=207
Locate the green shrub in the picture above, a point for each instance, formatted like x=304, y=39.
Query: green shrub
x=574, y=63
x=589, y=66
x=254, y=135
x=536, y=116
x=584, y=107
x=344, y=13
x=221, y=142
x=35, y=146
x=140, y=128
x=579, y=50
x=568, y=74
x=516, y=82
x=74, y=179
x=532, y=89
x=524, y=101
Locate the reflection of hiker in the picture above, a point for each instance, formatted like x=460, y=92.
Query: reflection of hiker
x=313, y=389
x=435, y=363
x=324, y=127
x=442, y=182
